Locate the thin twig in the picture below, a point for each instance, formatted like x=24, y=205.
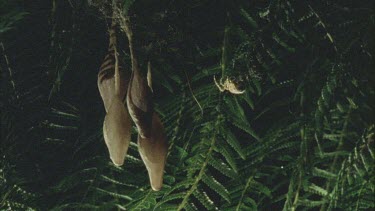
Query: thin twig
x=191, y=91
x=10, y=71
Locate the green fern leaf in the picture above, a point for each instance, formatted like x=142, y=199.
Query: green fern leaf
x=113, y=194
x=245, y=127
x=216, y=186
x=204, y=200
x=323, y=173
x=222, y=168
x=316, y=189
x=170, y=197
x=234, y=143
x=310, y=203
x=191, y=207
x=228, y=155
x=250, y=20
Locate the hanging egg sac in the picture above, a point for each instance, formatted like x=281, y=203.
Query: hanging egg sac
x=153, y=152
x=112, y=85
x=139, y=97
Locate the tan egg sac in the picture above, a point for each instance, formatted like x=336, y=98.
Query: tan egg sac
x=139, y=97
x=153, y=152
x=106, y=75
x=152, y=141
x=117, y=131
x=106, y=82
x=112, y=84
x=139, y=101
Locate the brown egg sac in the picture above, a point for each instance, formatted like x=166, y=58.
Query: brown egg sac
x=139, y=101
x=114, y=87
x=117, y=131
x=139, y=97
x=153, y=152
x=112, y=84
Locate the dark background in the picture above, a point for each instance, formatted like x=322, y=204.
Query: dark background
x=301, y=137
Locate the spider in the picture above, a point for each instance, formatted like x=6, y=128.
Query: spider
x=228, y=85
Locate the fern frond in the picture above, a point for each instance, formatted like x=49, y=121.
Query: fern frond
x=216, y=186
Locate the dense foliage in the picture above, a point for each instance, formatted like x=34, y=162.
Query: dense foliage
x=301, y=137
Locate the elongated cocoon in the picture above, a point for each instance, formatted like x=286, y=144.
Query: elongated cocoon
x=112, y=84
x=153, y=152
x=116, y=131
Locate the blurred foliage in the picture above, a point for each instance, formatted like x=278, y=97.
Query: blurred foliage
x=301, y=137
x=10, y=17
